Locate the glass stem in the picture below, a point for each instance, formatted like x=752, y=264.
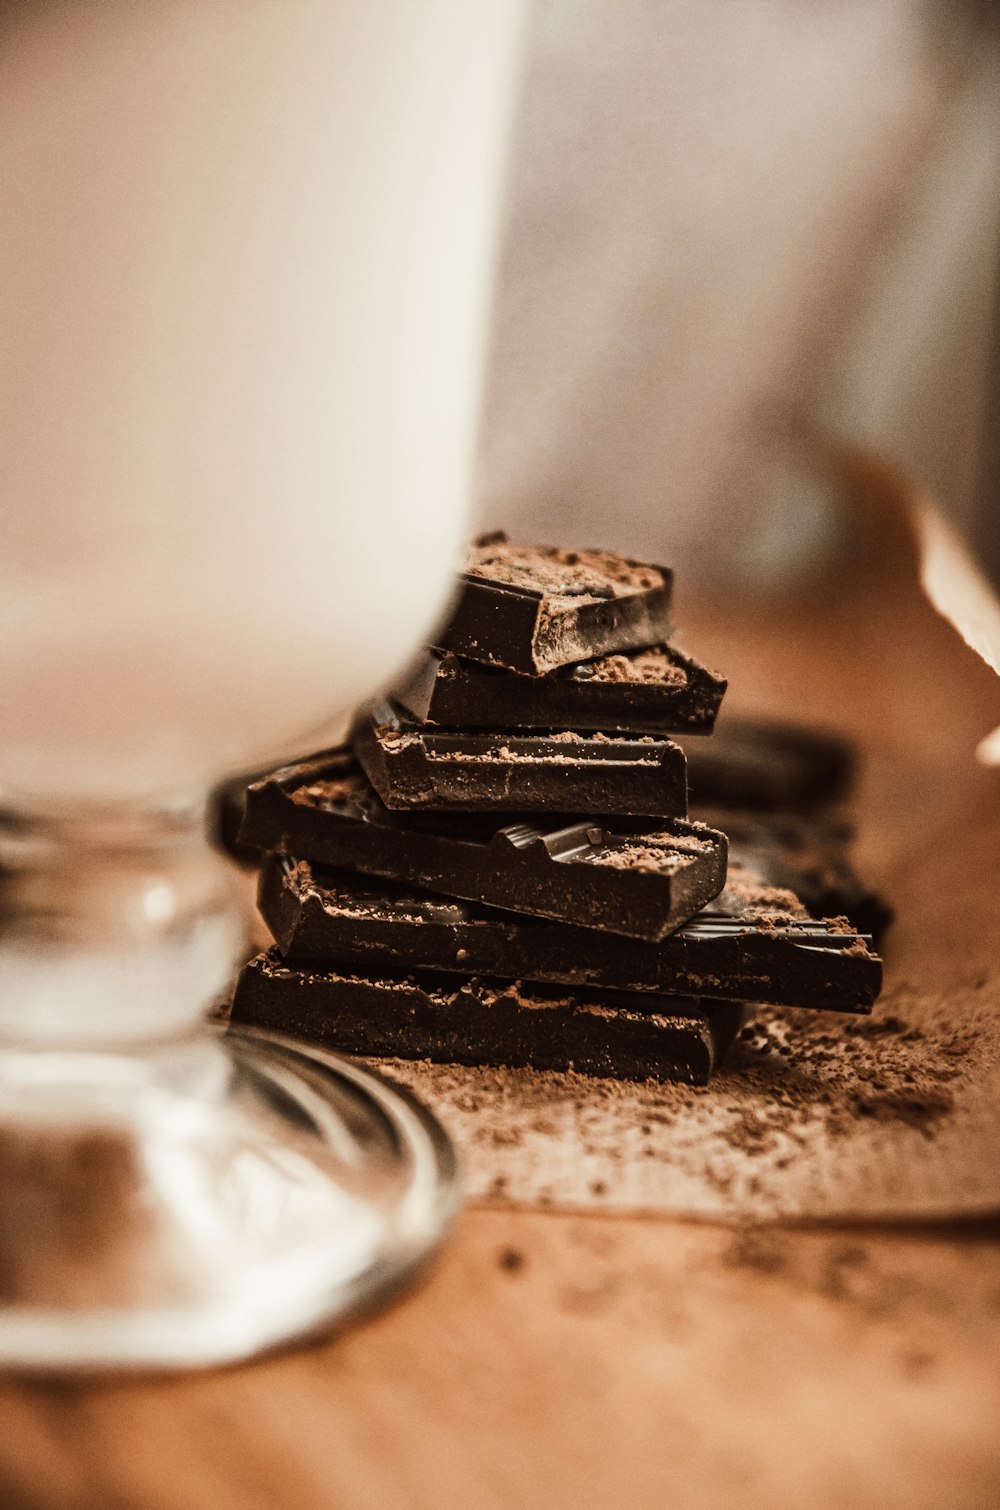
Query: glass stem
x=116, y=929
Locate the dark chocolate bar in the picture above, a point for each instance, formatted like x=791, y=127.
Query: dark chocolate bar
x=494, y=1023
x=533, y=608
x=807, y=855
x=656, y=690
x=640, y=880
x=768, y=765
x=414, y=767
x=752, y=943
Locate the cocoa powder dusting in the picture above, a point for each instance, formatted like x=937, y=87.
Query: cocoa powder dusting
x=652, y=667
x=559, y=573
x=644, y=858
x=344, y=789
x=802, y=1106
x=746, y=887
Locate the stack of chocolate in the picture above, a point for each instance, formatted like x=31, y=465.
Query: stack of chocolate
x=500, y=868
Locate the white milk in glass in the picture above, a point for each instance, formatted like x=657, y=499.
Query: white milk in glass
x=245, y=253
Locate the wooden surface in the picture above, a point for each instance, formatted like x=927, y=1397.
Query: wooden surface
x=556, y=1359
x=577, y=1361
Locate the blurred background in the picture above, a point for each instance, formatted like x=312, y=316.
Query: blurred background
x=732, y=227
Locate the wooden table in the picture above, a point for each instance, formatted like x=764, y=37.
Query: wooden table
x=554, y=1359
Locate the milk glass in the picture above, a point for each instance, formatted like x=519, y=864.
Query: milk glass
x=245, y=259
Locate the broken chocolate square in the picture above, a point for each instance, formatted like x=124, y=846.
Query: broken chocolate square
x=533, y=608
x=458, y=1021
x=414, y=767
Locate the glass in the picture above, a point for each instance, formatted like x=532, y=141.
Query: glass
x=246, y=249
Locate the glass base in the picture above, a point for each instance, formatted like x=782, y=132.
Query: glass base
x=197, y=1203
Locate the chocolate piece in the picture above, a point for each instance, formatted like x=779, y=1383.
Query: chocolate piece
x=656, y=690
x=226, y=807
x=533, y=608
x=806, y=855
x=751, y=944
x=641, y=881
x=768, y=766
x=480, y=1022
x=413, y=767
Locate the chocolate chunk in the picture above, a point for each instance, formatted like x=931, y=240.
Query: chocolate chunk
x=751, y=944
x=808, y=855
x=226, y=807
x=533, y=608
x=414, y=767
x=494, y=1023
x=640, y=880
x=656, y=690
x=768, y=766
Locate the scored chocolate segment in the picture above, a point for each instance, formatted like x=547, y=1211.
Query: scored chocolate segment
x=533, y=608
x=752, y=943
x=654, y=690
x=413, y=767
x=642, y=880
x=809, y=855
x=490, y=1023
